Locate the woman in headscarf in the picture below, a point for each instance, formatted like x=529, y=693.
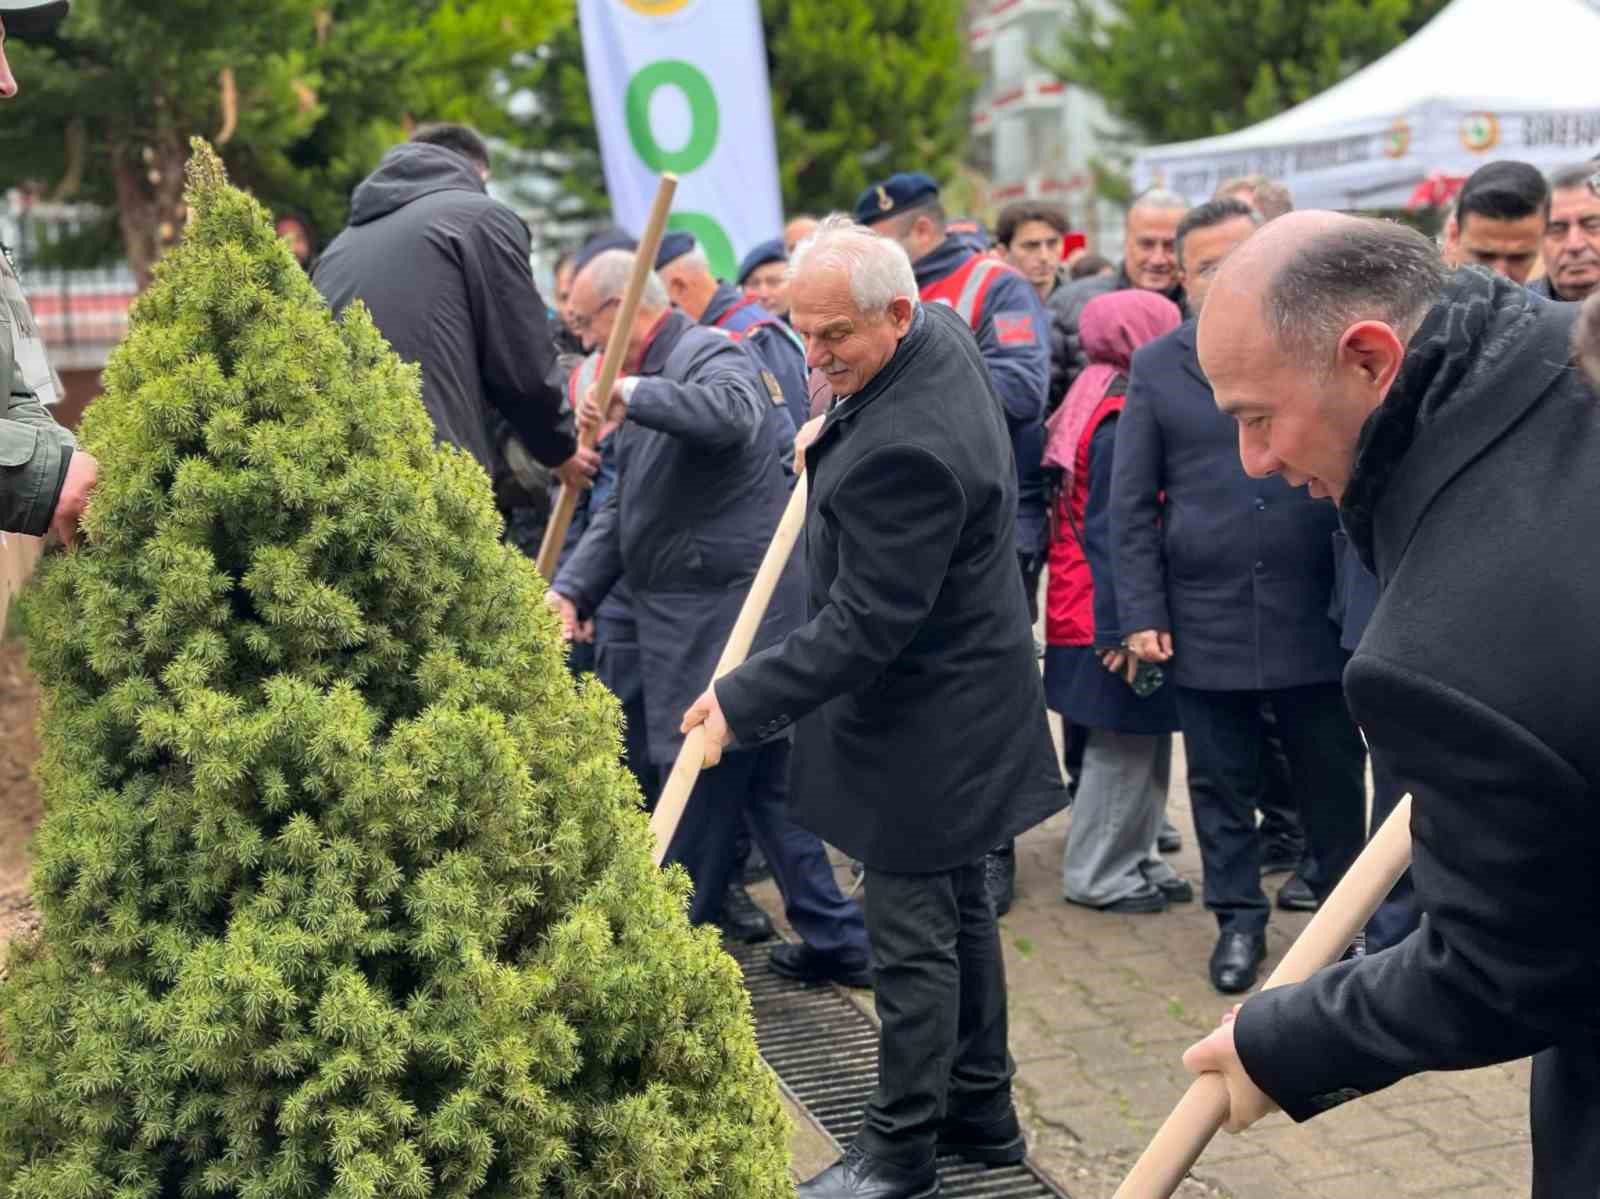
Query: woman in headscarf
x=1111, y=861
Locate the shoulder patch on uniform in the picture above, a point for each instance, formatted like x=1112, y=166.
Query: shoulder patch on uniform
x=1015, y=328
x=773, y=389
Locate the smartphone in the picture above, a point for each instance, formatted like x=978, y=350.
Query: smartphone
x=1147, y=679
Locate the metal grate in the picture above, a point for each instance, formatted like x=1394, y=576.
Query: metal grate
x=825, y=1049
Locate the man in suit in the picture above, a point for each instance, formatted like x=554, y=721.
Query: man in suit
x=920, y=734
x=699, y=487
x=1443, y=414
x=1226, y=580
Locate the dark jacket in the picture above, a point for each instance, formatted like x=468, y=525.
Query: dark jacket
x=1476, y=494
x=1013, y=338
x=1239, y=570
x=776, y=346
x=444, y=271
x=1355, y=592
x=920, y=733
x=1065, y=307
x=700, y=487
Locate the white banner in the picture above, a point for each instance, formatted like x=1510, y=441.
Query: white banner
x=681, y=85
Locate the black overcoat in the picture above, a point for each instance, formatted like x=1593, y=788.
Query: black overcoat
x=1238, y=570
x=920, y=733
x=1477, y=494
x=700, y=487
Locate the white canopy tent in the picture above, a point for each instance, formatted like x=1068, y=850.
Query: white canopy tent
x=1483, y=80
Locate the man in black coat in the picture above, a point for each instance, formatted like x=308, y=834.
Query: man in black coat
x=1443, y=413
x=443, y=269
x=700, y=485
x=920, y=733
x=1229, y=577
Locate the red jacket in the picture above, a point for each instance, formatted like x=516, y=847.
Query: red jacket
x=1069, y=598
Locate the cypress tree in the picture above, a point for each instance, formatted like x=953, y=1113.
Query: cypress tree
x=344, y=891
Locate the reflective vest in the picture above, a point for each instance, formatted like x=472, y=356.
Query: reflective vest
x=966, y=288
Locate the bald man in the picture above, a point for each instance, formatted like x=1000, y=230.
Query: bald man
x=1443, y=414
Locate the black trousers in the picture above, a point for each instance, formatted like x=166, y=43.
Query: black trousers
x=1223, y=739
x=1397, y=916
x=754, y=783
x=1565, y=1116
x=940, y=986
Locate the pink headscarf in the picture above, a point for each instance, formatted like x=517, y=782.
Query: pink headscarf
x=1112, y=327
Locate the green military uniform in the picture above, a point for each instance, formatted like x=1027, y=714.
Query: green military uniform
x=34, y=450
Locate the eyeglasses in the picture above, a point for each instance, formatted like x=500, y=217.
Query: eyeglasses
x=581, y=322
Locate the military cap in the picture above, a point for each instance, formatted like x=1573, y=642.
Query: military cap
x=31, y=17
x=767, y=251
x=614, y=238
x=674, y=245
x=896, y=194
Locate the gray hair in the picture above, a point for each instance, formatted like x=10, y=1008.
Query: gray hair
x=609, y=273
x=1159, y=199
x=877, y=267
x=1363, y=269
x=693, y=262
x=1576, y=174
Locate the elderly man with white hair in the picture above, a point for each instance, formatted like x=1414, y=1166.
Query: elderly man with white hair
x=920, y=735
x=700, y=447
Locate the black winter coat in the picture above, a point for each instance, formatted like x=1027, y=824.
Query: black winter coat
x=700, y=487
x=1238, y=570
x=920, y=733
x=444, y=271
x=1476, y=494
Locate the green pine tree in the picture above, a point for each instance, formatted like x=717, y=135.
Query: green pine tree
x=1172, y=70
x=344, y=891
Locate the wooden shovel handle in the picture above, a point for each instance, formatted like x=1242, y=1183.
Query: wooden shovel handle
x=644, y=261
x=691, y=758
x=1203, y=1109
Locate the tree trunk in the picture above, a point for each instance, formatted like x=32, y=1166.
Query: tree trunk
x=149, y=182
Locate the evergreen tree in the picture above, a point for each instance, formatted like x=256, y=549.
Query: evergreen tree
x=860, y=88
x=1173, y=71
x=344, y=890
x=311, y=91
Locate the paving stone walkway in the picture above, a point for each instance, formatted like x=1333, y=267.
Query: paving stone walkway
x=1102, y=1007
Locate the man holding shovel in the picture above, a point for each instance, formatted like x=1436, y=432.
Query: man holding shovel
x=920, y=734
x=1444, y=415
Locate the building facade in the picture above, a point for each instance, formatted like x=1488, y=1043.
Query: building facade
x=1034, y=136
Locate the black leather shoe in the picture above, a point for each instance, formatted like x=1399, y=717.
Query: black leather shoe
x=860, y=1175
x=1236, y=960
x=1176, y=890
x=1000, y=877
x=1296, y=896
x=990, y=1142
x=741, y=920
x=1145, y=900
x=1168, y=840
x=808, y=966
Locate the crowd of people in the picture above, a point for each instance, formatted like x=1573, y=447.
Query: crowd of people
x=1147, y=446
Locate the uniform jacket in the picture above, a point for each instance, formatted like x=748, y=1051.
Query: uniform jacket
x=1011, y=328
x=34, y=450
x=699, y=490
x=1065, y=307
x=1239, y=570
x=444, y=271
x=920, y=734
x=776, y=346
x=1476, y=494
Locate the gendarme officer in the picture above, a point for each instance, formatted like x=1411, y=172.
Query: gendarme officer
x=44, y=478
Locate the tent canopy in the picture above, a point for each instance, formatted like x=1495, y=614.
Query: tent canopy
x=1483, y=80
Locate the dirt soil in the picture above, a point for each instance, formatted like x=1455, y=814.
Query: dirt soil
x=19, y=792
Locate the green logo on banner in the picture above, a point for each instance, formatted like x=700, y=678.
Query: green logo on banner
x=704, y=121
